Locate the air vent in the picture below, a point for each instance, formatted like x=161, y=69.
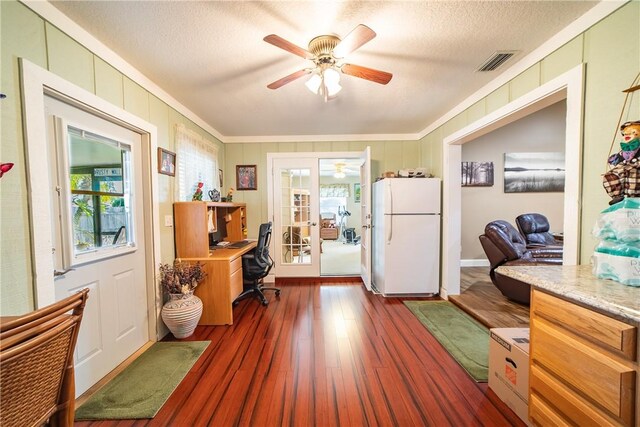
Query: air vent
x=496, y=60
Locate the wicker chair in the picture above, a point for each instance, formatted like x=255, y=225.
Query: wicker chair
x=36, y=364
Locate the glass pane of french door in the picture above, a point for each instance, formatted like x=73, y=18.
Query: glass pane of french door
x=296, y=214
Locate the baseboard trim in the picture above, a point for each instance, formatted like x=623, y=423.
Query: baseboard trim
x=474, y=263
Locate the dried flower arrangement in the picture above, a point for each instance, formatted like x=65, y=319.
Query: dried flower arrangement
x=181, y=277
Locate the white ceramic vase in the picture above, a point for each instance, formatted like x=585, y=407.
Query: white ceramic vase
x=182, y=313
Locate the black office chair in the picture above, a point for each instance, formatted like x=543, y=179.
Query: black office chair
x=255, y=267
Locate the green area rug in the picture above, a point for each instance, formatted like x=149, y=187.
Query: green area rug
x=140, y=390
x=461, y=335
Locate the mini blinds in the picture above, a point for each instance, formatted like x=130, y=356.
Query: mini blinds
x=334, y=190
x=197, y=161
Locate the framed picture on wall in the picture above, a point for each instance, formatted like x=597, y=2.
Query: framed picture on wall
x=356, y=192
x=477, y=174
x=166, y=162
x=533, y=172
x=246, y=177
x=220, y=178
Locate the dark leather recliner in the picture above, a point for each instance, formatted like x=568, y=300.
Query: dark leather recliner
x=535, y=229
x=504, y=245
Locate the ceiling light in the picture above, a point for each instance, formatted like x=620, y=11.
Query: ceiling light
x=326, y=83
x=313, y=84
x=339, y=175
x=332, y=81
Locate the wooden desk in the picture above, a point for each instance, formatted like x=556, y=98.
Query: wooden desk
x=222, y=284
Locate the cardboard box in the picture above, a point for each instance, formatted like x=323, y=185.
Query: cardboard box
x=509, y=368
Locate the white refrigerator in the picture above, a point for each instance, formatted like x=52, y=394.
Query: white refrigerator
x=406, y=236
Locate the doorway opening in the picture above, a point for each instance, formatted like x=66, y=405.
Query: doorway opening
x=340, y=219
x=567, y=86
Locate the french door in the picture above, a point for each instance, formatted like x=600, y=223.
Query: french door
x=296, y=234
x=365, y=215
x=294, y=207
x=98, y=234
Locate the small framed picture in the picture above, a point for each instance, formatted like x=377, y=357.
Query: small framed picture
x=356, y=192
x=246, y=177
x=166, y=162
x=220, y=178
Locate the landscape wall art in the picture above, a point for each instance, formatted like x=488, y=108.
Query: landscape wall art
x=477, y=174
x=533, y=172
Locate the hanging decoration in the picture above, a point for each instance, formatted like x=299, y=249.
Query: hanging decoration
x=623, y=177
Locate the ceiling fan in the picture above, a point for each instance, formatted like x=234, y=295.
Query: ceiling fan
x=326, y=52
x=342, y=170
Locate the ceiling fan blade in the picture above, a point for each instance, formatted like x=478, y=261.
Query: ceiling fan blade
x=278, y=41
x=356, y=38
x=359, y=71
x=288, y=79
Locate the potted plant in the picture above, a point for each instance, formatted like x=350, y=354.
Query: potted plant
x=183, y=310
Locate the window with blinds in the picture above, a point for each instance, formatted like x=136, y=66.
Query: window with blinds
x=197, y=161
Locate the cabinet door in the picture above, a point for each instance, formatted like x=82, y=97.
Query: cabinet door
x=191, y=224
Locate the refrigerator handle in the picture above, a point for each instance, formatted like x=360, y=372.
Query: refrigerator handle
x=390, y=227
x=390, y=197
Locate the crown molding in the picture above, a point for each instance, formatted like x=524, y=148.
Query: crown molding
x=322, y=138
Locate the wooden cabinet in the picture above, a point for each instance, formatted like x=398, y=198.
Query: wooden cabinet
x=583, y=366
x=195, y=221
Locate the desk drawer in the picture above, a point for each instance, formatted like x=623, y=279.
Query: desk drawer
x=235, y=283
x=608, y=383
x=604, y=331
x=236, y=265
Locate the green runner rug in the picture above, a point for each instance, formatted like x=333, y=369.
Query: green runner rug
x=461, y=335
x=140, y=390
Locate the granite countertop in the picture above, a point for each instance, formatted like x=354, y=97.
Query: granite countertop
x=577, y=283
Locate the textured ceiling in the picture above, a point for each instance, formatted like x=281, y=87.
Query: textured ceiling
x=210, y=56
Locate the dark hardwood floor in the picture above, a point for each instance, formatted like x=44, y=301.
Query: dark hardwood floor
x=481, y=299
x=326, y=353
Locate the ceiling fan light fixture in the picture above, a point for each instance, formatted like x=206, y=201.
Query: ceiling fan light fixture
x=339, y=173
x=332, y=81
x=326, y=83
x=313, y=84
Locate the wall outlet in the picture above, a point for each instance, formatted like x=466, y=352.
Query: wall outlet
x=168, y=221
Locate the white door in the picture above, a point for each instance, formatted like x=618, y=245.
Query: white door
x=296, y=233
x=96, y=174
x=365, y=215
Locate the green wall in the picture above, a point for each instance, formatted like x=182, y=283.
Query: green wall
x=611, y=51
x=26, y=35
x=385, y=156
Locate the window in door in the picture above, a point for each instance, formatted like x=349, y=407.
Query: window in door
x=99, y=192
